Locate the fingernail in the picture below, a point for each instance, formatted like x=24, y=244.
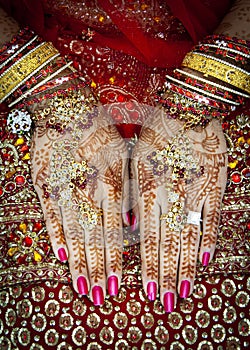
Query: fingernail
x=205, y=258
x=62, y=254
x=151, y=290
x=168, y=301
x=97, y=294
x=133, y=224
x=82, y=285
x=113, y=285
x=128, y=217
x=185, y=289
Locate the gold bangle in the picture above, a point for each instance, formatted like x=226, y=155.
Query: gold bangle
x=23, y=69
x=232, y=75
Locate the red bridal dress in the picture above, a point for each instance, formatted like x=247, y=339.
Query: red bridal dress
x=124, y=48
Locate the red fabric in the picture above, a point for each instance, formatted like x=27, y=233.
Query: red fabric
x=198, y=18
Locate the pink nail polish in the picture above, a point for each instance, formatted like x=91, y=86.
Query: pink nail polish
x=128, y=217
x=97, y=294
x=113, y=285
x=62, y=254
x=134, y=222
x=151, y=290
x=168, y=301
x=185, y=289
x=205, y=258
x=82, y=285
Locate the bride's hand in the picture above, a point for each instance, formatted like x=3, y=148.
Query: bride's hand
x=78, y=175
x=181, y=177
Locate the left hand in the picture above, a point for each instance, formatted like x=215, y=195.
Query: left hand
x=173, y=194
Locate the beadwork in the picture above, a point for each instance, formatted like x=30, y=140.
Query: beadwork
x=66, y=176
x=178, y=157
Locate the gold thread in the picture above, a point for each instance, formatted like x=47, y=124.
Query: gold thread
x=219, y=70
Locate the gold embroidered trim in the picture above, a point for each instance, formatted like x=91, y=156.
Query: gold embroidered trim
x=227, y=73
x=23, y=69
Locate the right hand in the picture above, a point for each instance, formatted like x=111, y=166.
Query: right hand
x=169, y=241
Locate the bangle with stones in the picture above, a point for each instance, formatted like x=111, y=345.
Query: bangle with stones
x=209, y=82
x=230, y=99
x=202, y=91
x=218, y=69
x=25, y=68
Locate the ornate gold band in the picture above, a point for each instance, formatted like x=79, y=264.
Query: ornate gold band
x=24, y=68
x=232, y=75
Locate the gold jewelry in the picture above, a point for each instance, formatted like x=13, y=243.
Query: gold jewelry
x=219, y=86
x=218, y=69
x=49, y=77
x=27, y=66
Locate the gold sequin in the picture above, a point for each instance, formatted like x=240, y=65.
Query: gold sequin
x=147, y=320
x=134, y=334
x=93, y=320
x=190, y=334
x=149, y=344
x=79, y=336
x=175, y=320
x=133, y=307
x=107, y=335
x=120, y=320
x=38, y=293
x=161, y=334
x=229, y=314
x=202, y=318
x=215, y=303
x=51, y=337
x=218, y=333
x=228, y=288
x=66, y=321
x=24, y=308
x=79, y=307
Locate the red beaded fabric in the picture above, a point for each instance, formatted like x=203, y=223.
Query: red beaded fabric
x=39, y=308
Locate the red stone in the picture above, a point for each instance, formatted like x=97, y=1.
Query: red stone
x=236, y=178
x=24, y=148
x=37, y=226
x=10, y=186
x=20, y=180
x=27, y=241
x=1, y=191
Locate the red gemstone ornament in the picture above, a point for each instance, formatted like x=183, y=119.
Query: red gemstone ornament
x=27, y=241
x=20, y=180
x=236, y=178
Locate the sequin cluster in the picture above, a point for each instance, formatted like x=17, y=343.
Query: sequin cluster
x=66, y=175
x=178, y=158
x=26, y=237
x=53, y=315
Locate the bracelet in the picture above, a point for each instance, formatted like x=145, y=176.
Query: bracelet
x=41, y=83
x=222, y=87
x=203, y=91
x=218, y=69
x=226, y=48
x=23, y=69
x=18, y=52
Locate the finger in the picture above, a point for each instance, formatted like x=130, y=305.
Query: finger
x=211, y=218
x=190, y=237
x=75, y=240
x=171, y=221
x=149, y=213
x=95, y=256
x=113, y=238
